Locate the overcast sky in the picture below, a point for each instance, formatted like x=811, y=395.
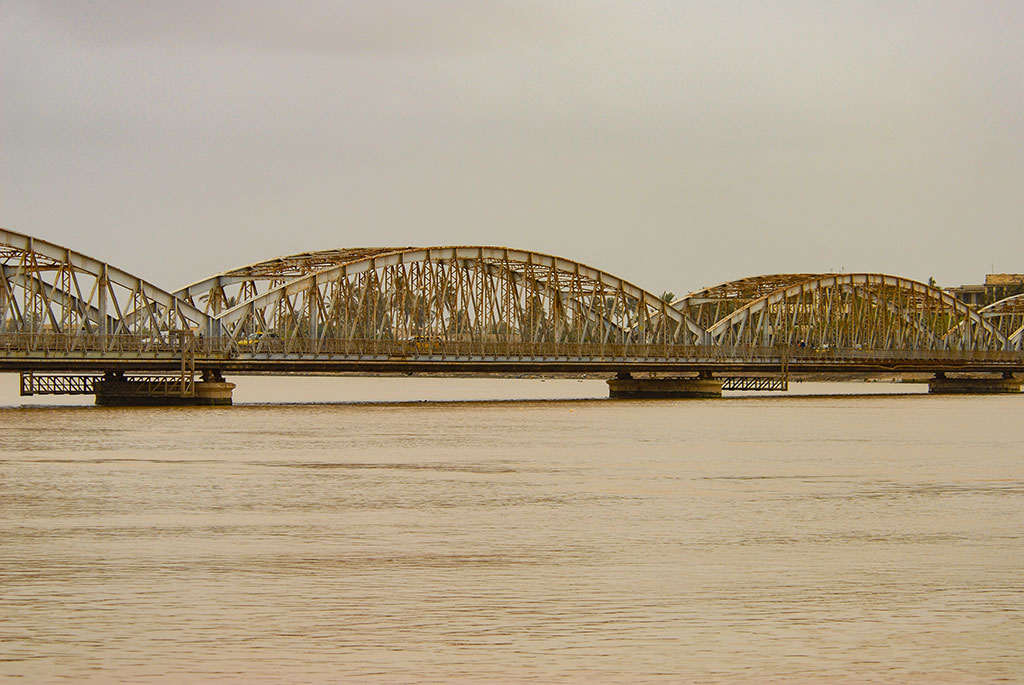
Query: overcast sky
x=675, y=144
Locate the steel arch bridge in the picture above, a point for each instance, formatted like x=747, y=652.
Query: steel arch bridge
x=476, y=309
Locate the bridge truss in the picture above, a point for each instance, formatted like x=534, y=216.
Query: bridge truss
x=437, y=297
x=53, y=299
x=708, y=306
x=858, y=311
x=1007, y=316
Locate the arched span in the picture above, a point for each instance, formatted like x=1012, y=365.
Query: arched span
x=869, y=311
x=710, y=305
x=468, y=293
x=49, y=289
x=228, y=288
x=1007, y=315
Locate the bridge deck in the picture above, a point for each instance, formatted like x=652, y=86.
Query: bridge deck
x=56, y=354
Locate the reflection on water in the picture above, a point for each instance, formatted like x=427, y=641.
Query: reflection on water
x=857, y=538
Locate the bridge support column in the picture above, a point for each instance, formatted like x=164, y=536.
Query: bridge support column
x=115, y=390
x=623, y=386
x=941, y=385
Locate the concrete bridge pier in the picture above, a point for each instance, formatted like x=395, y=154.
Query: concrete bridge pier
x=941, y=385
x=624, y=386
x=119, y=391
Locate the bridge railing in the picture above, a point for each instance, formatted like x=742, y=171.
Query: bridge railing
x=175, y=344
x=400, y=349
x=86, y=343
x=448, y=349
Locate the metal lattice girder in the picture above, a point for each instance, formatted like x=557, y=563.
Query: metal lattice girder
x=710, y=305
x=1007, y=315
x=755, y=383
x=867, y=311
x=452, y=294
x=228, y=288
x=49, y=289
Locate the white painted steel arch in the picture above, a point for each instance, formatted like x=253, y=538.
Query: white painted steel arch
x=710, y=305
x=114, y=310
x=277, y=269
x=469, y=257
x=1007, y=315
x=754, y=323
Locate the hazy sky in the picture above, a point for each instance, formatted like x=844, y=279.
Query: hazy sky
x=676, y=144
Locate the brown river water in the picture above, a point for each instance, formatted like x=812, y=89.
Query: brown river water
x=526, y=533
